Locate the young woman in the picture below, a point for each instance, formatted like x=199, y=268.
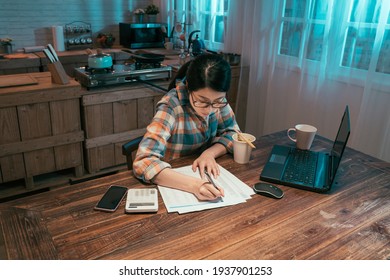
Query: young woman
x=194, y=117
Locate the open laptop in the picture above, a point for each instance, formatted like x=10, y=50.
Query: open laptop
x=309, y=170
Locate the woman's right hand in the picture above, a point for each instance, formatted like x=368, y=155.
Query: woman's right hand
x=206, y=191
x=201, y=188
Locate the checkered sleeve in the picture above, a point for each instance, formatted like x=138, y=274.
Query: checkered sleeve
x=226, y=124
x=148, y=161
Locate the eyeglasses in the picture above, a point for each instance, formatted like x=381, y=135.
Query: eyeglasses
x=204, y=104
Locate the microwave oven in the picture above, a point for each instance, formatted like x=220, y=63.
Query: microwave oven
x=141, y=35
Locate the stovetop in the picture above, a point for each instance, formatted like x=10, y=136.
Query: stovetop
x=119, y=74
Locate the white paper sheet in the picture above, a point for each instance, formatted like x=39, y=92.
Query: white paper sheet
x=236, y=192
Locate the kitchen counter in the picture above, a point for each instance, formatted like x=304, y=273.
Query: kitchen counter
x=41, y=132
x=30, y=63
x=56, y=134
x=37, y=62
x=41, y=81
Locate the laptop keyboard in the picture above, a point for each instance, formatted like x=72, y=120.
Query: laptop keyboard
x=301, y=167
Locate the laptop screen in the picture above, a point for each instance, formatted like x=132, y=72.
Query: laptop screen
x=340, y=142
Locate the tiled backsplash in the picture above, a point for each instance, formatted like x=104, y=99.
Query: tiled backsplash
x=29, y=23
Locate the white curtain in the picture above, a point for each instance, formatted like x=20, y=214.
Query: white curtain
x=306, y=67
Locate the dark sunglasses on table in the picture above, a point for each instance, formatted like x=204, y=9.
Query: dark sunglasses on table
x=205, y=104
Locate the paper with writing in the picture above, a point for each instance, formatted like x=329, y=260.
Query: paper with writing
x=236, y=192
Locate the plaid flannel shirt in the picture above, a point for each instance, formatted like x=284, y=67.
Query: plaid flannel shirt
x=176, y=130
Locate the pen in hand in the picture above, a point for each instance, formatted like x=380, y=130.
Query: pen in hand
x=211, y=181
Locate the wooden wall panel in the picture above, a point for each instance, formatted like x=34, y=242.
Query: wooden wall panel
x=119, y=158
x=12, y=167
x=34, y=120
x=125, y=115
x=111, y=118
x=100, y=158
x=68, y=156
x=155, y=101
x=39, y=162
x=9, y=126
x=41, y=131
x=65, y=116
x=98, y=120
x=145, y=111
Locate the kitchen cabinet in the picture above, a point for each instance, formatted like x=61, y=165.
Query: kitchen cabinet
x=111, y=117
x=40, y=131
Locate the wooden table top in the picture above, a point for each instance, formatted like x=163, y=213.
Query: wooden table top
x=352, y=221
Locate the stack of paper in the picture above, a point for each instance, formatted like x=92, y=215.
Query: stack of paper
x=236, y=192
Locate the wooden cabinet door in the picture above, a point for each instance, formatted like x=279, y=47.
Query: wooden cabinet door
x=11, y=166
x=34, y=121
x=65, y=118
x=111, y=118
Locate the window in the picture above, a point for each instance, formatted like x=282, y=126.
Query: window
x=209, y=16
x=364, y=30
x=364, y=27
x=212, y=19
x=303, y=19
x=383, y=64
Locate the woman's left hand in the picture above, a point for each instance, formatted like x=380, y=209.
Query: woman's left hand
x=206, y=161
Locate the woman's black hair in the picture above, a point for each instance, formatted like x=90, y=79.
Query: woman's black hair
x=205, y=71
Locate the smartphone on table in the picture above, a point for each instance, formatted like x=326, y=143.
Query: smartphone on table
x=111, y=199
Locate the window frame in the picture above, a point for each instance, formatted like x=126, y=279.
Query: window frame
x=213, y=14
x=195, y=7
x=380, y=28
x=306, y=22
x=338, y=10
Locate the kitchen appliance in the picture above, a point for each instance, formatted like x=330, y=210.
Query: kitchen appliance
x=147, y=60
x=196, y=44
x=121, y=74
x=142, y=35
x=99, y=60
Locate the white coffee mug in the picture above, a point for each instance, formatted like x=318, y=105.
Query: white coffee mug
x=168, y=45
x=304, y=135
